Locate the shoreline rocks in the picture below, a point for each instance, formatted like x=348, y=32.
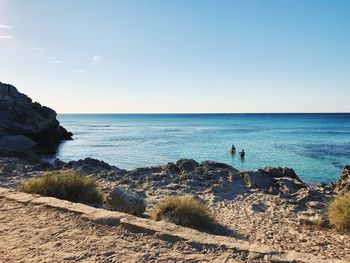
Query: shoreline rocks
x=22, y=118
x=215, y=181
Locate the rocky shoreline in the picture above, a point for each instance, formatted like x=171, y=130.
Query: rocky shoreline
x=215, y=181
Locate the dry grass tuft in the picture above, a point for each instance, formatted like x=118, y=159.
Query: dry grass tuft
x=67, y=185
x=185, y=211
x=339, y=212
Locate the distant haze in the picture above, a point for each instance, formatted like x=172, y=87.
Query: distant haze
x=165, y=56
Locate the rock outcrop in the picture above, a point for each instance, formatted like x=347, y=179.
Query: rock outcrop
x=343, y=184
x=219, y=180
x=274, y=180
x=19, y=115
x=18, y=145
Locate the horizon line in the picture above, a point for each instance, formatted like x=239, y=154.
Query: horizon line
x=199, y=113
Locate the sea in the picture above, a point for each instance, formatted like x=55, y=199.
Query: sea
x=316, y=146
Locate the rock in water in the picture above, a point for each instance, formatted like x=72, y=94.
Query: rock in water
x=19, y=115
x=125, y=202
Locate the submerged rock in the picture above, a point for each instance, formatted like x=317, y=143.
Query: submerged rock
x=19, y=115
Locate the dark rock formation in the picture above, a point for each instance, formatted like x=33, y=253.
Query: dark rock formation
x=280, y=172
x=19, y=115
x=18, y=145
x=274, y=180
x=88, y=166
x=343, y=184
x=186, y=165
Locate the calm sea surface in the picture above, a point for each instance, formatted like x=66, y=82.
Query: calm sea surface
x=316, y=146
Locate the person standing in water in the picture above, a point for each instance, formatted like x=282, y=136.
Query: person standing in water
x=233, y=149
x=242, y=153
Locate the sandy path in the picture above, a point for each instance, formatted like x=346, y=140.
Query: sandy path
x=36, y=234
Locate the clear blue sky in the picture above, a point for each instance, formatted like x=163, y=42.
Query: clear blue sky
x=179, y=55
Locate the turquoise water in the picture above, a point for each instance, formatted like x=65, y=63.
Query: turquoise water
x=316, y=146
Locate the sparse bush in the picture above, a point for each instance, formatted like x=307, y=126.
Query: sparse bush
x=67, y=185
x=339, y=212
x=185, y=211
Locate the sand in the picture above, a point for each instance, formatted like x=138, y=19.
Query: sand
x=38, y=234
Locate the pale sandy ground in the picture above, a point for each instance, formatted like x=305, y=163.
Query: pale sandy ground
x=37, y=234
x=272, y=221
x=31, y=233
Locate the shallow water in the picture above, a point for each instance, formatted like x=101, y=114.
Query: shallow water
x=316, y=146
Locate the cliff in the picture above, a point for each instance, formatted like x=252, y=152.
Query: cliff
x=25, y=124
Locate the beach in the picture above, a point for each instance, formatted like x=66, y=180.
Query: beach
x=90, y=210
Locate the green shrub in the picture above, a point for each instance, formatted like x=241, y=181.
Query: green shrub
x=185, y=211
x=67, y=185
x=339, y=212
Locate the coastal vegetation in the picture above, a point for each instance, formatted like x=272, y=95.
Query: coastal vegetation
x=339, y=211
x=67, y=185
x=185, y=211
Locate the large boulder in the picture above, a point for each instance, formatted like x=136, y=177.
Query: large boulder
x=256, y=179
x=122, y=201
x=274, y=180
x=280, y=172
x=286, y=179
x=18, y=146
x=90, y=165
x=19, y=115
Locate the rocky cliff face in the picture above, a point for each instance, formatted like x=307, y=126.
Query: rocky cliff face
x=19, y=115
